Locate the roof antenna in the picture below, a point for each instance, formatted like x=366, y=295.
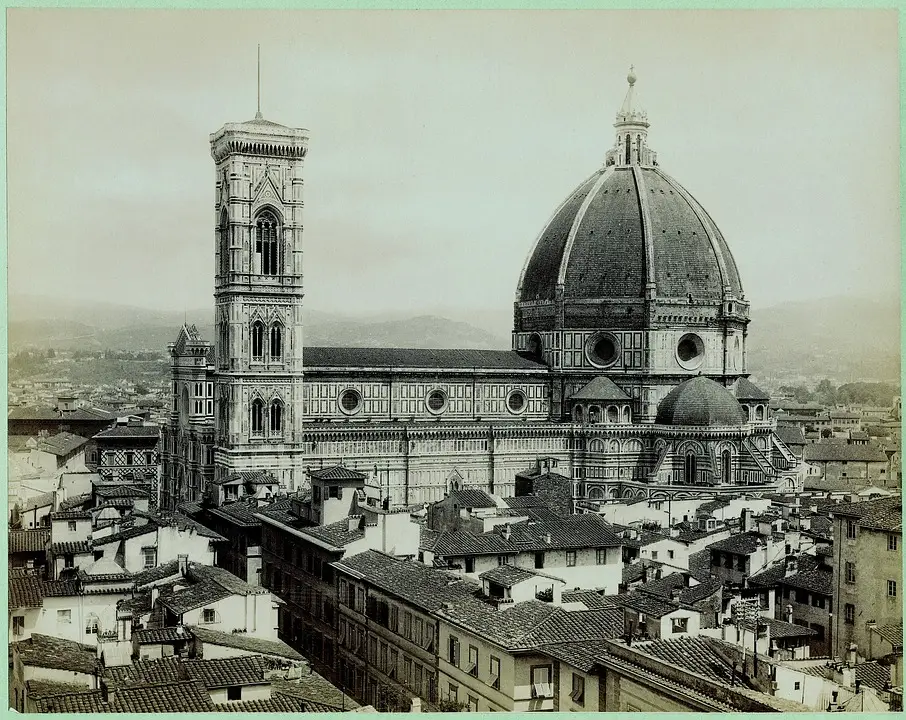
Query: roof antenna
x=258, y=115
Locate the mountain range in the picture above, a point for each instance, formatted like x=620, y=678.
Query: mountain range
x=843, y=339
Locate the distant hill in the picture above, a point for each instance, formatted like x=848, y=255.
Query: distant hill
x=843, y=339
x=43, y=322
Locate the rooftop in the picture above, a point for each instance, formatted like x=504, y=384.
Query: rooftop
x=241, y=641
x=62, y=444
x=883, y=514
x=400, y=358
x=58, y=654
x=741, y=544
x=28, y=541
x=842, y=452
x=510, y=575
x=150, y=432
x=227, y=672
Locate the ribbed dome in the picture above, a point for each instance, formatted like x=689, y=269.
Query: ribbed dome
x=626, y=227
x=702, y=402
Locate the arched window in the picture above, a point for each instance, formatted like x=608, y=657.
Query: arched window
x=613, y=415
x=595, y=493
x=276, y=417
x=257, y=340
x=689, y=468
x=223, y=351
x=759, y=412
x=628, y=148
x=627, y=418
x=578, y=413
x=276, y=342
x=638, y=148
x=223, y=230
x=594, y=414
x=726, y=465
x=184, y=405
x=257, y=417
x=267, y=243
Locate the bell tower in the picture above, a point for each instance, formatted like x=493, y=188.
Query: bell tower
x=258, y=298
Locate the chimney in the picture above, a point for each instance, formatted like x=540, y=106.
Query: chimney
x=547, y=538
x=851, y=655
x=792, y=565
x=155, y=593
x=675, y=594
x=354, y=522
x=789, y=613
x=183, y=564
x=832, y=706
x=506, y=531
x=747, y=521
x=416, y=705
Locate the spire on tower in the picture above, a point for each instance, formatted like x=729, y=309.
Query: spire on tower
x=258, y=115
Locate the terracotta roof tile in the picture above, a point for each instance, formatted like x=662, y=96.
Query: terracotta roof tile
x=336, y=472
x=28, y=541
x=276, y=703
x=227, y=672
x=187, y=696
x=418, y=358
x=241, y=641
x=873, y=675
x=62, y=444
x=337, y=534
x=73, y=547
x=58, y=654
x=25, y=592
x=110, y=490
x=143, y=672
x=842, y=452
x=84, y=701
x=71, y=515
x=883, y=514
x=472, y=498
x=816, y=581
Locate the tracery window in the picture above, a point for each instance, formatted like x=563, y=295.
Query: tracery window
x=276, y=417
x=276, y=342
x=257, y=417
x=689, y=468
x=257, y=340
x=267, y=244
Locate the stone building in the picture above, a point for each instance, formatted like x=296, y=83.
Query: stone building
x=628, y=360
x=868, y=572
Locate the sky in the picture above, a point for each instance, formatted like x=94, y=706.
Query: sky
x=442, y=141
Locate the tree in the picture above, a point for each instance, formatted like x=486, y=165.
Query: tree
x=141, y=390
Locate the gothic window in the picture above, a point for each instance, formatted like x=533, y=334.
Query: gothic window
x=628, y=148
x=613, y=415
x=626, y=416
x=578, y=413
x=257, y=340
x=223, y=351
x=689, y=468
x=276, y=342
x=276, y=417
x=759, y=412
x=267, y=244
x=726, y=465
x=257, y=417
x=224, y=231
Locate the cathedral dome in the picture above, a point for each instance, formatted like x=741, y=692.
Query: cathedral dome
x=627, y=234
x=701, y=402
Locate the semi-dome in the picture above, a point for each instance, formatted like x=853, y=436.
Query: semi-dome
x=629, y=233
x=701, y=402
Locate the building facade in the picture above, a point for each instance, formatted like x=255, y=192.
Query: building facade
x=627, y=368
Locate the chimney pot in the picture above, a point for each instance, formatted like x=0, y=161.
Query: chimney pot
x=183, y=563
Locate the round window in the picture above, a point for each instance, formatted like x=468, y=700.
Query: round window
x=690, y=351
x=350, y=402
x=437, y=401
x=603, y=350
x=516, y=402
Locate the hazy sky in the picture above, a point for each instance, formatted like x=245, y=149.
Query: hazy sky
x=442, y=141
